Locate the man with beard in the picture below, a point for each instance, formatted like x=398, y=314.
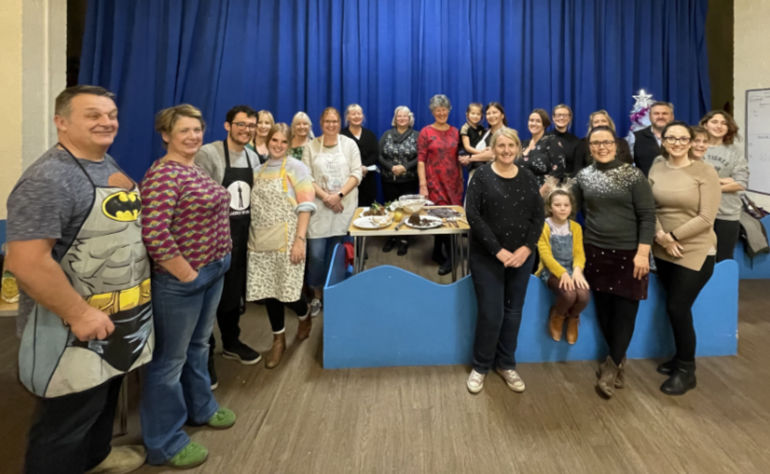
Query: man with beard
x=230, y=163
x=75, y=246
x=645, y=143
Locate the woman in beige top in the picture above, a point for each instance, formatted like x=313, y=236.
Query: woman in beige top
x=687, y=195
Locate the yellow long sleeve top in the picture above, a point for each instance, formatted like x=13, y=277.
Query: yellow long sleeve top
x=547, y=259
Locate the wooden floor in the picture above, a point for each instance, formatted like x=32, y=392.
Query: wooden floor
x=300, y=418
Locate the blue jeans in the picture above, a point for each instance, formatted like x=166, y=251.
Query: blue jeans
x=177, y=386
x=319, y=255
x=500, y=295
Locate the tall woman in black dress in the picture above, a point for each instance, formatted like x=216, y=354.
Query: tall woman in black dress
x=620, y=224
x=369, y=147
x=505, y=212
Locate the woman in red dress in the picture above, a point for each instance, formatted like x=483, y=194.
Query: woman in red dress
x=439, y=170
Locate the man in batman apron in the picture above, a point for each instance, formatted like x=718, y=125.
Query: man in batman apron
x=75, y=245
x=230, y=163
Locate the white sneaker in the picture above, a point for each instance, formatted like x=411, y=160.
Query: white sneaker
x=512, y=379
x=475, y=381
x=315, y=307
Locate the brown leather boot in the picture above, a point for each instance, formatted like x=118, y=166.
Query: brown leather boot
x=555, y=324
x=303, y=328
x=276, y=352
x=572, y=329
x=620, y=380
x=608, y=372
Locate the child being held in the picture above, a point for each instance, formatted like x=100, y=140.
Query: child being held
x=561, y=265
x=472, y=133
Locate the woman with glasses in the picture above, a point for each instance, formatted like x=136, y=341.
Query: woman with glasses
x=687, y=197
x=619, y=227
x=335, y=164
x=562, y=118
x=733, y=169
x=369, y=148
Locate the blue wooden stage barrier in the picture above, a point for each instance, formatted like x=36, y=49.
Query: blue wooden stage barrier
x=759, y=266
x=387, y=316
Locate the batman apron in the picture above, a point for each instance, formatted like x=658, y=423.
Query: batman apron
x=108, y=266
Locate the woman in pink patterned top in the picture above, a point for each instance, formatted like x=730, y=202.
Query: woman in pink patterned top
x=439, y=170
x=186, y=229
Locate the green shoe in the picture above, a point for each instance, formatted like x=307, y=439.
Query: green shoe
x=190, y=456
x=223, y=418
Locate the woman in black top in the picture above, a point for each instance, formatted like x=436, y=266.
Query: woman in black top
x=369, y=148
x=620, y=224
x=505, y=212
x=543, y=154
x=600, y=118
x=398, y=164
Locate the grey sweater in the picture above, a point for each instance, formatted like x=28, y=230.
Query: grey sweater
x=618, y=205
x=729, y=162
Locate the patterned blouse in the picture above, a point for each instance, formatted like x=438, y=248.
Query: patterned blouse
x=184, y=212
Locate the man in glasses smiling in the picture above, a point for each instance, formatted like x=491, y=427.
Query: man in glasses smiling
x=645, y=143
x=230, y=163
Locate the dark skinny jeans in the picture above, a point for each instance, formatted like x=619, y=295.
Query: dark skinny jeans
x=617, y=318
x=682, y=287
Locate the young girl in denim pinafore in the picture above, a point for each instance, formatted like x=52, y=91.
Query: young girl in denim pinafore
x=561, y=265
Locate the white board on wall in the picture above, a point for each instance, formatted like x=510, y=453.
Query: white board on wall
x=758, y=139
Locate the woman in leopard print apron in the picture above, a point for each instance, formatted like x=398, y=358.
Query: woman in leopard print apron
x=281, y=205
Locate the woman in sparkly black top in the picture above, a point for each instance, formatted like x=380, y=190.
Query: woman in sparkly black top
x=505, y=212
x=620, y=224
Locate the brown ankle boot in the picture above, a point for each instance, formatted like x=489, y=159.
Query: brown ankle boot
x=608, y=372
x=276, y=352
x=303, y=328
x=572, y=329
x=620, y=380
x=555, y=324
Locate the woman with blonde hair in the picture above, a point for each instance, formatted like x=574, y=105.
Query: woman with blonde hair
x=282, y=201
x=265, y=122
x=600, y=118
x=505, y=213
x=300, y=133
x=368, y=147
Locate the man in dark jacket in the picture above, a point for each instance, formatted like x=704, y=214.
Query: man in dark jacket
x=645, y=143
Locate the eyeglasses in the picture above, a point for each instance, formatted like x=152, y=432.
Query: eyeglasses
x=673, y=140
x=331, y=121
x=605, y=143
x=250, y=126
x=561, y=115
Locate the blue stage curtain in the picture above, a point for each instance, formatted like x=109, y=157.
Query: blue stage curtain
x=290, y=55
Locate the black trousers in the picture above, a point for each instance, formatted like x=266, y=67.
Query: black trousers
x=682, y=286
x=275, y=311
x=392, y=191
x=232, y=303
x=727, y=237
x=72, y=434
x=617, y=318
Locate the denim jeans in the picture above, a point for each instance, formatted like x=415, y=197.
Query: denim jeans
x=177, y=386
x=500, y=295
x=319, y=256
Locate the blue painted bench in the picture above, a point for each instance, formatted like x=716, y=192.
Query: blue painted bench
x=387, y=316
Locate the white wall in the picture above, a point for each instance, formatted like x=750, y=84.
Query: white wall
x=752, y=61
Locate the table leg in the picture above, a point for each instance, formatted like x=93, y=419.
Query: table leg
x=359, y=251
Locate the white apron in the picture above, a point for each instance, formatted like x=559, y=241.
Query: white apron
x=331, y=170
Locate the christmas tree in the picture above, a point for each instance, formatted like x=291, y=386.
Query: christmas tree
x=640, y=112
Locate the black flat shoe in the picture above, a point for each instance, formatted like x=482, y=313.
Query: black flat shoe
x=402, y=248
x=389, y=245
x=445, y=268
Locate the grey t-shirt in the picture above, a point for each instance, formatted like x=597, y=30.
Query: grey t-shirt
x=51, y=200
x=211, y=157
x=729, y=162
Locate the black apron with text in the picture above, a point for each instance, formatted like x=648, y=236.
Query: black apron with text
x=108, y=266
x=238, y=182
